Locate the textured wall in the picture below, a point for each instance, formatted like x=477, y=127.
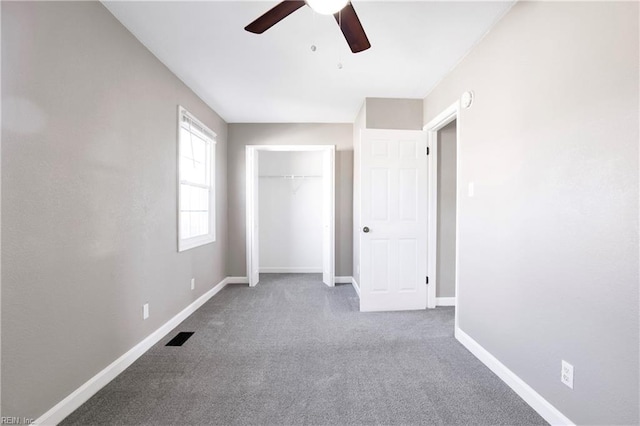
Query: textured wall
x=394, y=113
x=89, y=199
x=241, y=135
x=446, y=267
x=549, y=243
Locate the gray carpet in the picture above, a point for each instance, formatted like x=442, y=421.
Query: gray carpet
x=292, y=351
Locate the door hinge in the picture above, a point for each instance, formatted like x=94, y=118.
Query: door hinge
x=427, y=280
x=427, y=150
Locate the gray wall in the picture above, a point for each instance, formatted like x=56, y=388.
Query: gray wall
x=446, y=244
x=241, y=135
x=393, y=113
x=549, y=243
x=89, y=199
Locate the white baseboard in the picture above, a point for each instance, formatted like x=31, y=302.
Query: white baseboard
x=237, y=280
x=245, y=280
x=290, y=270
x=355, y=285
x=550, y=413
x=445, y=301
x=78, y=397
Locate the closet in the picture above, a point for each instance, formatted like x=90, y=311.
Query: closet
x=290, y=212
x=290, y=200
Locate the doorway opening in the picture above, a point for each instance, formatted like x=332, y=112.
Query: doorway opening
x=290, y=210
x=444, y=141
x=445, y=277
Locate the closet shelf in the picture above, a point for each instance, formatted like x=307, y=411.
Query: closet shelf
x=291, y=176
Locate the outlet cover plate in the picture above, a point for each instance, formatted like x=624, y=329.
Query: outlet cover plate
x=566, y=375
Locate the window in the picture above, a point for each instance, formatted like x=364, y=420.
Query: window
x=196, y=176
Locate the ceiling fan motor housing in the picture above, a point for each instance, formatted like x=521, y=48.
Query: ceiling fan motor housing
x=327, y=7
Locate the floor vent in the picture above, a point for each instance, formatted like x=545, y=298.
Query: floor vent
x=179, y=340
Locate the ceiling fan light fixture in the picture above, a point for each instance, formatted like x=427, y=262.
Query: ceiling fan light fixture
x=347, y=19
x=327, y=7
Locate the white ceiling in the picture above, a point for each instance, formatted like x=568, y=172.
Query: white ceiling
x=275, y=77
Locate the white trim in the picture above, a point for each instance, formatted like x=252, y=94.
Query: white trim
x=78, y=397
x=206, y=131
x=200, y=240
x=329, y=215
x=290, y=270
x=237, y=280
x=251, y=171
x=356, y=286
x=445, y=301
x=343, y=280
x=290, y=147
x=445, y=117
x=550, y=413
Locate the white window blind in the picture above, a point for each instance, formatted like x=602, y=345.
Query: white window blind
x=196, y=176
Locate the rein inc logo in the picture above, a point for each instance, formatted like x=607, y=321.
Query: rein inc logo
x=15, y=421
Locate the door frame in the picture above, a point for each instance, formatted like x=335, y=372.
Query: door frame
x=328, y=217
x=432, y=128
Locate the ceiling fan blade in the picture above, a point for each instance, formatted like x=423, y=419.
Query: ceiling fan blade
x=352, y=29
x=274, y=15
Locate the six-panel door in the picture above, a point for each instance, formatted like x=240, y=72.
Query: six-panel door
x=393, y=171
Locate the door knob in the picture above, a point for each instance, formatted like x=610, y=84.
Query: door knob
x=365, y=229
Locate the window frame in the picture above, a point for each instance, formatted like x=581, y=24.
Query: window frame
x=200, y=240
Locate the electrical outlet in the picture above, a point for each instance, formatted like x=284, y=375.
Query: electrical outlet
x=145, y=311
x=566, y=375
x=193, y=283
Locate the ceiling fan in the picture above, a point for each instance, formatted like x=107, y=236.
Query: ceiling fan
x=342, y=10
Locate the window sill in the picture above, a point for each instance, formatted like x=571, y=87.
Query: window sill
x=190, y=243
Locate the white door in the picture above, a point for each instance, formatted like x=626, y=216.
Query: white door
x=328, y=227
x=393, y=217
